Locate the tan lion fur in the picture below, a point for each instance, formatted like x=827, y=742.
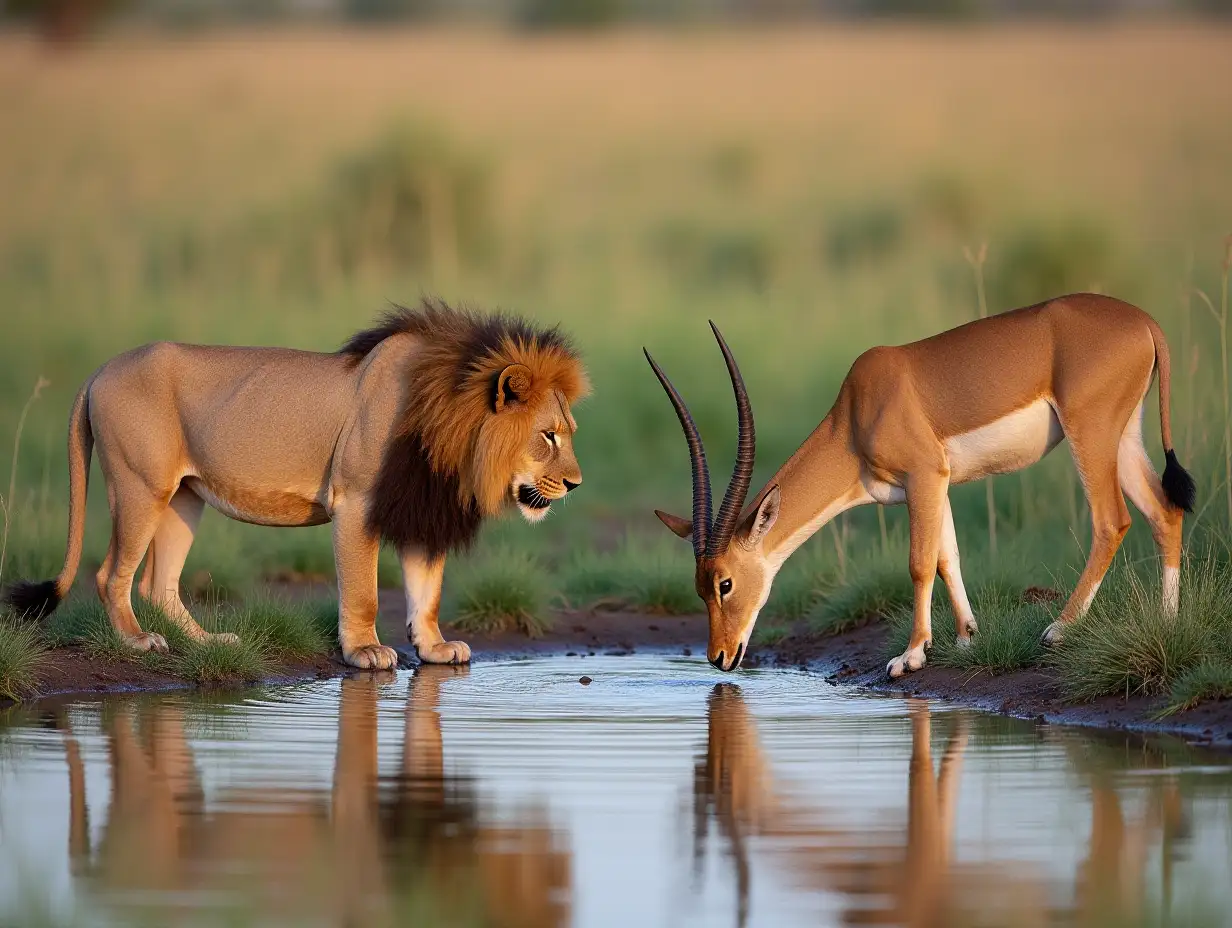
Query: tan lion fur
x=410, y=435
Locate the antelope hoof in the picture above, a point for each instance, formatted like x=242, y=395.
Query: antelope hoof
x=445, y=652
x=147, y=641
x=372, y=657
x=964, y=634
x=1054, y=633
x=230, y=638
x=910, y=660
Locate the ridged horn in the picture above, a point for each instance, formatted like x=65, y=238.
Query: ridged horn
x=697, y=461
x=746, y=450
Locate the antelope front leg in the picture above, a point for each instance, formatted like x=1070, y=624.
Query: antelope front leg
x=355, y=554
x=926, y=499
x=422, y=577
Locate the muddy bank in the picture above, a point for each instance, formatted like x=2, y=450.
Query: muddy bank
x=858, y=658
x=71, y=671
x=854, y=658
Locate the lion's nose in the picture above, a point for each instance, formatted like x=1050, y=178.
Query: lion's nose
x=571, y=485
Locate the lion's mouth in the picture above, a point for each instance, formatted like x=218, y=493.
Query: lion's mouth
x=531, y=498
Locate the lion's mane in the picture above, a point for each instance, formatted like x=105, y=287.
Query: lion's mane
x=449, y=461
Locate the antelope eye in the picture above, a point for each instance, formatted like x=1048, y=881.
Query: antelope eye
x=724, y=587
x=551, y=437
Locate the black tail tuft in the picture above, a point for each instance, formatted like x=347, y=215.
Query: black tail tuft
x=1178, y=485
x=32, y=600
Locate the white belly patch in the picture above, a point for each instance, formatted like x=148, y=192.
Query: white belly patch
x=1006, y=444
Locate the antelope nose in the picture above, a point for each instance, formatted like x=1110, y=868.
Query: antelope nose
x=571, y=485
x=718, y=660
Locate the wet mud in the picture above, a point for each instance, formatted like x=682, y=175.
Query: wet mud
x=855, y=658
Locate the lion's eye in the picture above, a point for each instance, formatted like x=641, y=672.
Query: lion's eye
x=724, y=587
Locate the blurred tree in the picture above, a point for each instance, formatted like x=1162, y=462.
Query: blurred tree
x=386, y=10
x=63, y=22
x=570, y=14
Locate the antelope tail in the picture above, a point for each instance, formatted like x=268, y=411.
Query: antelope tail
x=1178, y=484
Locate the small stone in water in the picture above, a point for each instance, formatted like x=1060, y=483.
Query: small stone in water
x=585, y=681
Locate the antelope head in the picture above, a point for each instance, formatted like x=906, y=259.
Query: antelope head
x=733, y=574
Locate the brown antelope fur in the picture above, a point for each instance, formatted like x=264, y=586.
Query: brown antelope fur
x=989, y=397
x=349, y=853
x=411, y=434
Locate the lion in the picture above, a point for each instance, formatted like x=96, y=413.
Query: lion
x=411, y=434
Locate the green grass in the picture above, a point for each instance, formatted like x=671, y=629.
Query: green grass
x=1008, y=637
x=505, y=589
x=1208, y=681
x=873, y=589
x=270, y=631
x=649, y=573
x=22, y=651
x=1126, y=645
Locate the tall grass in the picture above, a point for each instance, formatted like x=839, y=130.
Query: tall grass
x=976, y=259
x=506, y=590
x=1008, y=639
x=22, y=652
x=1127, y=645
x=9, y=503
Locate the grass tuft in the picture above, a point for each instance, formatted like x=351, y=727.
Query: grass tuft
x=1008, y=638
x=269, y=631
x=1210, y=680
x=215, y=663
x=501, y=590
x=291, y=631
x=21, y=654
x=1126, y=645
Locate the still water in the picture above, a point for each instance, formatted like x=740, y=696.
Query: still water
x=509, y=794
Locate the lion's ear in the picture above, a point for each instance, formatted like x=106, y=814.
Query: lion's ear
x=512, y=387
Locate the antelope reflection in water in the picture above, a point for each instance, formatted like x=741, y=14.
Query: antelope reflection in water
x=372, y=849
x=913, y=879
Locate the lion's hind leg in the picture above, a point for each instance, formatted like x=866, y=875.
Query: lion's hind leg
x=165, y=563
x=135, y=514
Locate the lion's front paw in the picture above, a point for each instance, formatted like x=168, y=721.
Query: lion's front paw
x=445, y=652
x=147, y=641
x=372, y=657
x=223, y=638
x=1054, y=633
x=909, y=660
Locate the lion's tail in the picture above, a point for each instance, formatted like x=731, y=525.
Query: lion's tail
x=36, y=599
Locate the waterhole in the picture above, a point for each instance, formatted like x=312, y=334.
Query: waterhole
x=661, y=794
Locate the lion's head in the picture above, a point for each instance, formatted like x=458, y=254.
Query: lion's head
x=524, y=450
x=487, y=419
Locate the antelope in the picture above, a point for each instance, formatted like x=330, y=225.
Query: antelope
x=989, y=397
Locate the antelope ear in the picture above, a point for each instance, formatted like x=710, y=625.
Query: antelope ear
x=512, y=387
x=763, y=518
x=678, y=526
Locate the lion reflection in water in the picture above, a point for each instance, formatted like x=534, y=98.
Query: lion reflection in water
x=373, y=850
x=913, y=879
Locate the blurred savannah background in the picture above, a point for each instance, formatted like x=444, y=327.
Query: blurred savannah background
x=817, y=177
